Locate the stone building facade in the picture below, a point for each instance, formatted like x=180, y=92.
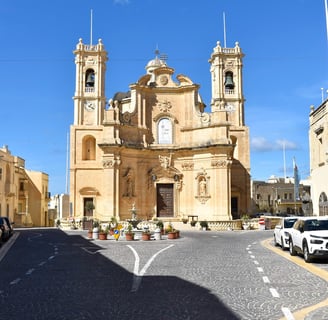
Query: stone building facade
x=318, y=141
x=24, y=193
x=154, y=147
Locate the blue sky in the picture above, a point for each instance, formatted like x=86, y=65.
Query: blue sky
x=285, y=67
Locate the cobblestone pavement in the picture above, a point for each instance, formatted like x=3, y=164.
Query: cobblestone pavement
x=50, y=274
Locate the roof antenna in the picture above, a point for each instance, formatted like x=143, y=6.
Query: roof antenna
x=224, y=31
x=91, y=28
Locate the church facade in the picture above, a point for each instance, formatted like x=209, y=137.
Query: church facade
x=155, y=148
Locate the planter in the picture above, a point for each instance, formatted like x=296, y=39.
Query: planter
x=172, y=235
x=145, y=236
x=102, y=236
x=90, y=234
x=129, y=236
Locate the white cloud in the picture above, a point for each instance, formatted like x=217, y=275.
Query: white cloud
x=262, y=144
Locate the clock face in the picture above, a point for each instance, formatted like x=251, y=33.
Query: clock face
x=89, y=105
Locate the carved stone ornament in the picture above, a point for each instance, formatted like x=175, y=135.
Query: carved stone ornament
x=187, y=166
x=164, y=106
x=164, y=161
x=163, y=80
x=108, y=163
x=219, y=163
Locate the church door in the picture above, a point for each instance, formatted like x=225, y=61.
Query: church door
x=165, y=200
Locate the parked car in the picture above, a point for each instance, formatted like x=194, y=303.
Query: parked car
x=5, y=229
x=309, y=237
x=281, y=232
x=10, y=225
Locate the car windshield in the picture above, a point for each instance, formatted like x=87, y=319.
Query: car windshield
x=288, y=223
x=313, y=225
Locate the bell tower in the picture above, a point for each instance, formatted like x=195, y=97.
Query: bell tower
x=89, y=98
x=227, y=85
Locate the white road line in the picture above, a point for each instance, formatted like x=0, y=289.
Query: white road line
x=51, y=257
x=256, y=262
x=250, y=252
x=259, y=269
x=29, y=271
x=253, y=257
x=15, y=281
x=274, y=293
x=137, y=276
x=266, y=279
x=288, y=315
x=42, y=263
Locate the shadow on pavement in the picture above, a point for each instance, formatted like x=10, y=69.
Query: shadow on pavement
x=83, y=284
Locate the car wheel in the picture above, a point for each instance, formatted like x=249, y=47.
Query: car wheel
x=307, y=256
x=291, y=248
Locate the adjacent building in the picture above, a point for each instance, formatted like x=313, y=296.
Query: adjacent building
x=278, y=196
x=318, y=141
x=24, y=193
x=155, y=147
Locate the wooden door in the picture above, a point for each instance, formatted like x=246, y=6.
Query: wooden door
x=165, y=206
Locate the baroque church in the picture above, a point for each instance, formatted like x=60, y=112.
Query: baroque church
x=154, y=148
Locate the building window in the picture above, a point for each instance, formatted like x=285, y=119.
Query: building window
x=165, y=131
x=0, y=173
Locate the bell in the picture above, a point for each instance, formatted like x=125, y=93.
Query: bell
x=90, y=80
x=228, y=81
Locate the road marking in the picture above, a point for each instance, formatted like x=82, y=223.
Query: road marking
x=288, y=315
x=253, y=257
x=259, y=269
x=51, y=257
x=266, y=279
x=250, y=252
x=29, y=271
x=42, y=263
x=256, y=262
x=15, y=281
x=137, y=276
x=274, y=293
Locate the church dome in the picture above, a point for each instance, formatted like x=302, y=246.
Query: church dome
x=155, y=63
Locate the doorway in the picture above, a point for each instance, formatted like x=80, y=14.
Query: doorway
x=165, y=203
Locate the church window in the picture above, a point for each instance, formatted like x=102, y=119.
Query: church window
x=89, y=148
x=90, y=79
x=165, y=131
x=228, y=82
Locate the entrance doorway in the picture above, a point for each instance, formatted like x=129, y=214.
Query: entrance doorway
x=234, y=208
x=165, y=205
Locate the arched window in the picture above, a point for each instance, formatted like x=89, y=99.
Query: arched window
x=165, y=131
x=90, y=78
x=89, y=148
x=323, y=204
x=228, y=81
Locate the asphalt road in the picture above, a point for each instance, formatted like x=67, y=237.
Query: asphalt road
x=51, y=274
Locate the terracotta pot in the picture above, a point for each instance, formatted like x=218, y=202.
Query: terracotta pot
x=145, y=236
x=129, y=236
x=172, y=235
x=90, y=234
x=102, y=236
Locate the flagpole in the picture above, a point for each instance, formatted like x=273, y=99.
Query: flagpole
x=224, y=31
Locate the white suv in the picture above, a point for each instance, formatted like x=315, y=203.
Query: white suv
x=309, y=236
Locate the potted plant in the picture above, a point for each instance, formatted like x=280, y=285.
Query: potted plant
x=171, y=232
x=145, y=235
x=112, y=225
x=204, y=225
x=129, y=234
x=245, y=222
x=185, y=220
x=95, y=230
x=102, y=234
x=193, y=223
x=160, y=225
